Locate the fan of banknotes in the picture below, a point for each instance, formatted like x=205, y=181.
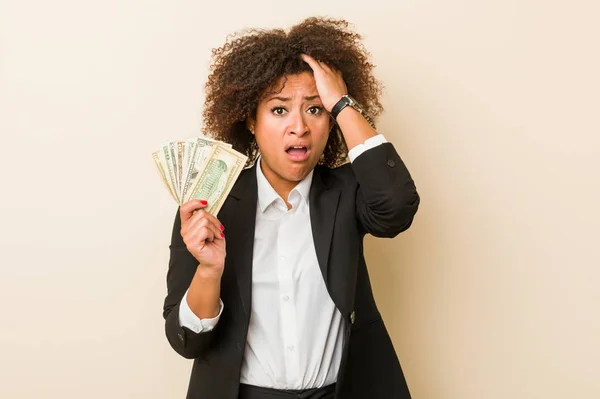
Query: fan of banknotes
x=199, y=168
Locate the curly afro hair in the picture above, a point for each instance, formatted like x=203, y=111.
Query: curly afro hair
x=248, y=65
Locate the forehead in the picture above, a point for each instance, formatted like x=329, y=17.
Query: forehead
x=303, y=83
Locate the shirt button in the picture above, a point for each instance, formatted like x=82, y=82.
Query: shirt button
x=286, y=298
x=291, y=348
x=391, y=163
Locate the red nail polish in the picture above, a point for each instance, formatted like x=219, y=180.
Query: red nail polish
x=204, y=202
x=222, y=227
x=222, y=235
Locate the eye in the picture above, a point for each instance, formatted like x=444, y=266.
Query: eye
x=315, y=110
x=278, y=110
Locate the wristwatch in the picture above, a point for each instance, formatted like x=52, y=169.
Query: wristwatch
x=345, y=101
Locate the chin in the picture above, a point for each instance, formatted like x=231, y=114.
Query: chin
x=299, y=172
x=296, y=176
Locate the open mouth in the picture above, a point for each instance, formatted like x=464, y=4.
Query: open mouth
x=297, y=152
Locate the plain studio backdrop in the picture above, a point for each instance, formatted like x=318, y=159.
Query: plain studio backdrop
x=493, y=293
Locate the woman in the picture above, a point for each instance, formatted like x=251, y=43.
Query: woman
x=272, y=299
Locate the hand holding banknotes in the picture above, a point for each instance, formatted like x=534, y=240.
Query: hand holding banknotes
x=199, y=173
x=203, y=236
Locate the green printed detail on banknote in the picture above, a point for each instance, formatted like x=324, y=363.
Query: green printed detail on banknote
x=218, y=177
x=203, y=151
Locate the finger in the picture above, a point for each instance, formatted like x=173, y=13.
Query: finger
x=202, y=224
x=203, y=218
x=314, y=64
x=187, y=210
x=201, y=234
x=337, y=73
x=202, y=214
x=206, y=223
x=193, y=241
x=326, y=67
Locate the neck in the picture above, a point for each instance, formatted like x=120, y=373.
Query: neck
x=281, y=186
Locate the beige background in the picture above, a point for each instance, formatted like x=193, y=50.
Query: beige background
x=493, y=293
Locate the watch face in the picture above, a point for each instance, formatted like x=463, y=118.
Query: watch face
x=352, y=102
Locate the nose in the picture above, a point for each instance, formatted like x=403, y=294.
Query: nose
x=298, y=125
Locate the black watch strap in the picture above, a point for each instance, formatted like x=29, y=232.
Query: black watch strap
x=345, y=101
x=339, y=106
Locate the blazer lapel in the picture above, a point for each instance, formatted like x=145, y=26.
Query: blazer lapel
x=323, y=207
x=241, y=235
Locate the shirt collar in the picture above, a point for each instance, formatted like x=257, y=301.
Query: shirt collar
x=267, y=194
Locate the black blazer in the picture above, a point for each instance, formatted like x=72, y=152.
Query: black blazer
x=376, y=195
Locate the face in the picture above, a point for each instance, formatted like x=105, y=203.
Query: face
x=291, y=129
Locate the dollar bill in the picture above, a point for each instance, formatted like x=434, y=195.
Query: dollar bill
x=180, y=151
x=187, y=158
x=199, y=168
x=218, y=177
x=161, y=171
x=203, y=150
x=170, y=168
x=172, y=147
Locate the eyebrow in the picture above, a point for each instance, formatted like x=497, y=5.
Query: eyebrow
x=285, y=99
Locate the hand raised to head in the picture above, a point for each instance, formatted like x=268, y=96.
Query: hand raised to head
x=329, y=81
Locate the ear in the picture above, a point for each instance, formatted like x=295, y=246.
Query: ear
x=250, y=124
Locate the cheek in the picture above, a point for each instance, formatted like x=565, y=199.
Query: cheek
x=323, y=135
x=269, y=142
x=323, y=143
x=265, y=143
x=266, y=132
x=320, y=129
x=263, y=125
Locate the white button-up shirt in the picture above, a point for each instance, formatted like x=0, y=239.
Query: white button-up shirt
x=295, y=336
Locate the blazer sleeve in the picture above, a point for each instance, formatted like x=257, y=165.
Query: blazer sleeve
x=386, y=199
x=182, y=267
